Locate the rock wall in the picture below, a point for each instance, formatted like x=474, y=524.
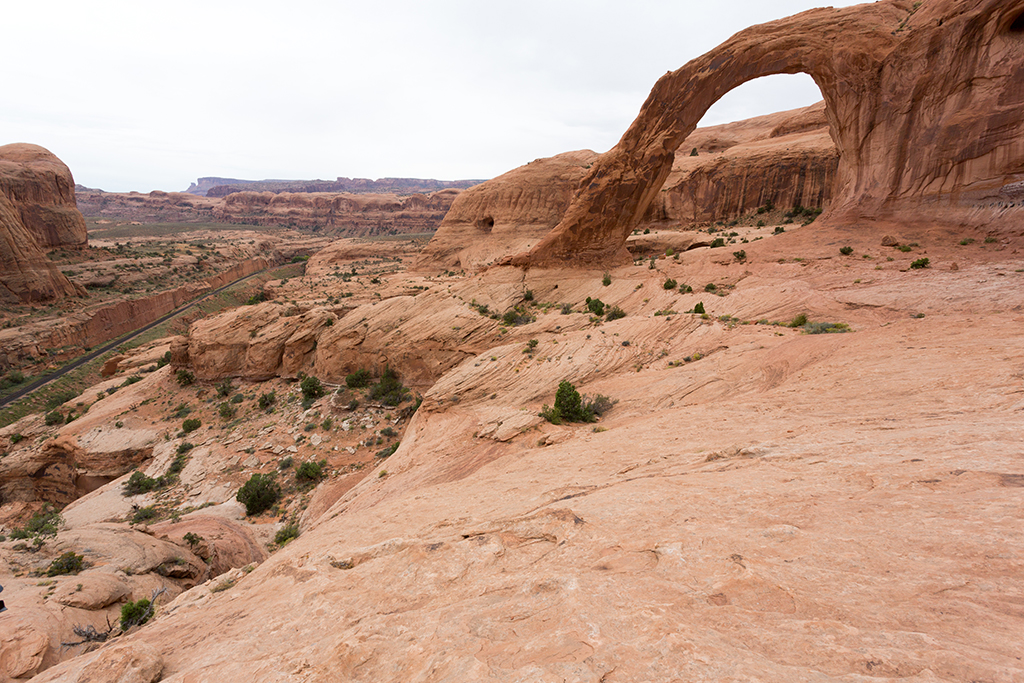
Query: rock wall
x=330, y=213
x=915, y=142
x=37, y=212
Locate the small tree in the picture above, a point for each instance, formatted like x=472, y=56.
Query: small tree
x=358, y=379
x=135, y=613
x=258, y=494
x=311, y=388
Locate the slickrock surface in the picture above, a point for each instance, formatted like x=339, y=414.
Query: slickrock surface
x=915, y=143
x=37, y=212
x=760, y=504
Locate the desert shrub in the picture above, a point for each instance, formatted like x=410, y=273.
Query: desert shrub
x=311, y=387
x=614, y=313
x=826, y=328
x=184, y=377
x=164, y=360
x=607, y=279
x=669, y=284
x=16, y=438
x=389, y=390
x=599, y=404
x=568, y=406
x=846, y=251
x=699, y=308
x=135, y=613
x=60, y=398
x=920, y=263
x=388, y=432
x=258, y=494
x=779, y=229
x=286, y=533
x=528, y=295
x=191, y=424
x=798, y=321
x=131, y=380
x=358, y=379
x=138, y=484
x=267, y=400
x=905, y=248
x=224, y=388
x=310, y=472
x=388, y=450
x=226, y=410
x=182, y=411
x=285, y=463
x=43, y=523
x=327, y=424
x=68, y=563
x=353, y=404
x=54, y=418
x=566, y=309
x=517, y=316
x=193, y=539
x=595, y=306
x=237, y=398
x=144, y=514
x=740, y=255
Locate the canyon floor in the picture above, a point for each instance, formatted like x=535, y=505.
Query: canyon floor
x=760, y=503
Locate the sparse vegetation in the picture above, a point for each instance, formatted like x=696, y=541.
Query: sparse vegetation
x=191, y=424
x=266, y=401
x=358, y=379
x=68, y=563
x=595, y=306
x=614, y=313
x=311, y=388
x=310, y=473
x=184, y=377
x=607, y=279
x=135, y=613
x=286, y=533
x=669, y=284
x=920, y=263
x=846, y=251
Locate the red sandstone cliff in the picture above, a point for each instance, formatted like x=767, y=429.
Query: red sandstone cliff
x=37, y=212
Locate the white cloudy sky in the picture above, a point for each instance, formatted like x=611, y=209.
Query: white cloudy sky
x=143, y=95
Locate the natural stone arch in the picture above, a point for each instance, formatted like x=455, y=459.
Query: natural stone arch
x=888, y=72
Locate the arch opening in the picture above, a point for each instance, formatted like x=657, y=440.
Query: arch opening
x=762, y=96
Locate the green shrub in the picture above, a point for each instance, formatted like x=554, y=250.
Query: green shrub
x=327, y=424
x=614, y=313
x=16, y=438
x=740, y=255
x=224, y=388
x=607, y=279
x=131, y=380
x=798, y=321
x=285, y=463
x=517, y=316
x=193, y=539
x=43, y=523
x=595, y=306
x=920, y=263
x=310, y=472
x=226, y=410
x=311, y=387
x=905, y=248
x=135, y=613
x=669, y=284
x=237, y=398
x=389, y=390
x=184, y=447
x=779, y=229
x=353, y=404
x=60, y=398
x=68, y=563
x=388, y=451
x=358, y=379
x=286, y=533
x=54, y=418
x=144, y=514
x=267, y=400
x=164, y=360
x=699, y=308
x=138, y=484
x=388, y=432
x=184, y=377
x=826, y=328
x=258, y=494
x=566, y=309
x=191, y=425
x=568, y=406
x=846, y=251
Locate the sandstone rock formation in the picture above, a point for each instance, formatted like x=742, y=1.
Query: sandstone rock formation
x=785, y=159
x=37, y=212
x=915, y=142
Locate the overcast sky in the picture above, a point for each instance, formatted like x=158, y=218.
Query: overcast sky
x=144, y=95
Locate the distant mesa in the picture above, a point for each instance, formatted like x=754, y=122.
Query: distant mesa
x=37, y=213
x=221, y=187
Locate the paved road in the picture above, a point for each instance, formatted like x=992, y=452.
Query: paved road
x=29, y=388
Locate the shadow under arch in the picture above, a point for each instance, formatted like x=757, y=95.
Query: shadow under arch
x=857, y=56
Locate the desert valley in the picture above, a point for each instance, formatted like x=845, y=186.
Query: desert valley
x=734, y=403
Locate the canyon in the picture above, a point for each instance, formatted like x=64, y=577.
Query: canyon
x=805, y=464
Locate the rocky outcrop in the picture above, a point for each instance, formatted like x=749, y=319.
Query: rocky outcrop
x=915, y=142
x=785, y=159
x=327, y=212
x=37, y=212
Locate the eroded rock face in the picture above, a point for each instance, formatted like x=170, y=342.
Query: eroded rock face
x=915, y=142
x=37, y=212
